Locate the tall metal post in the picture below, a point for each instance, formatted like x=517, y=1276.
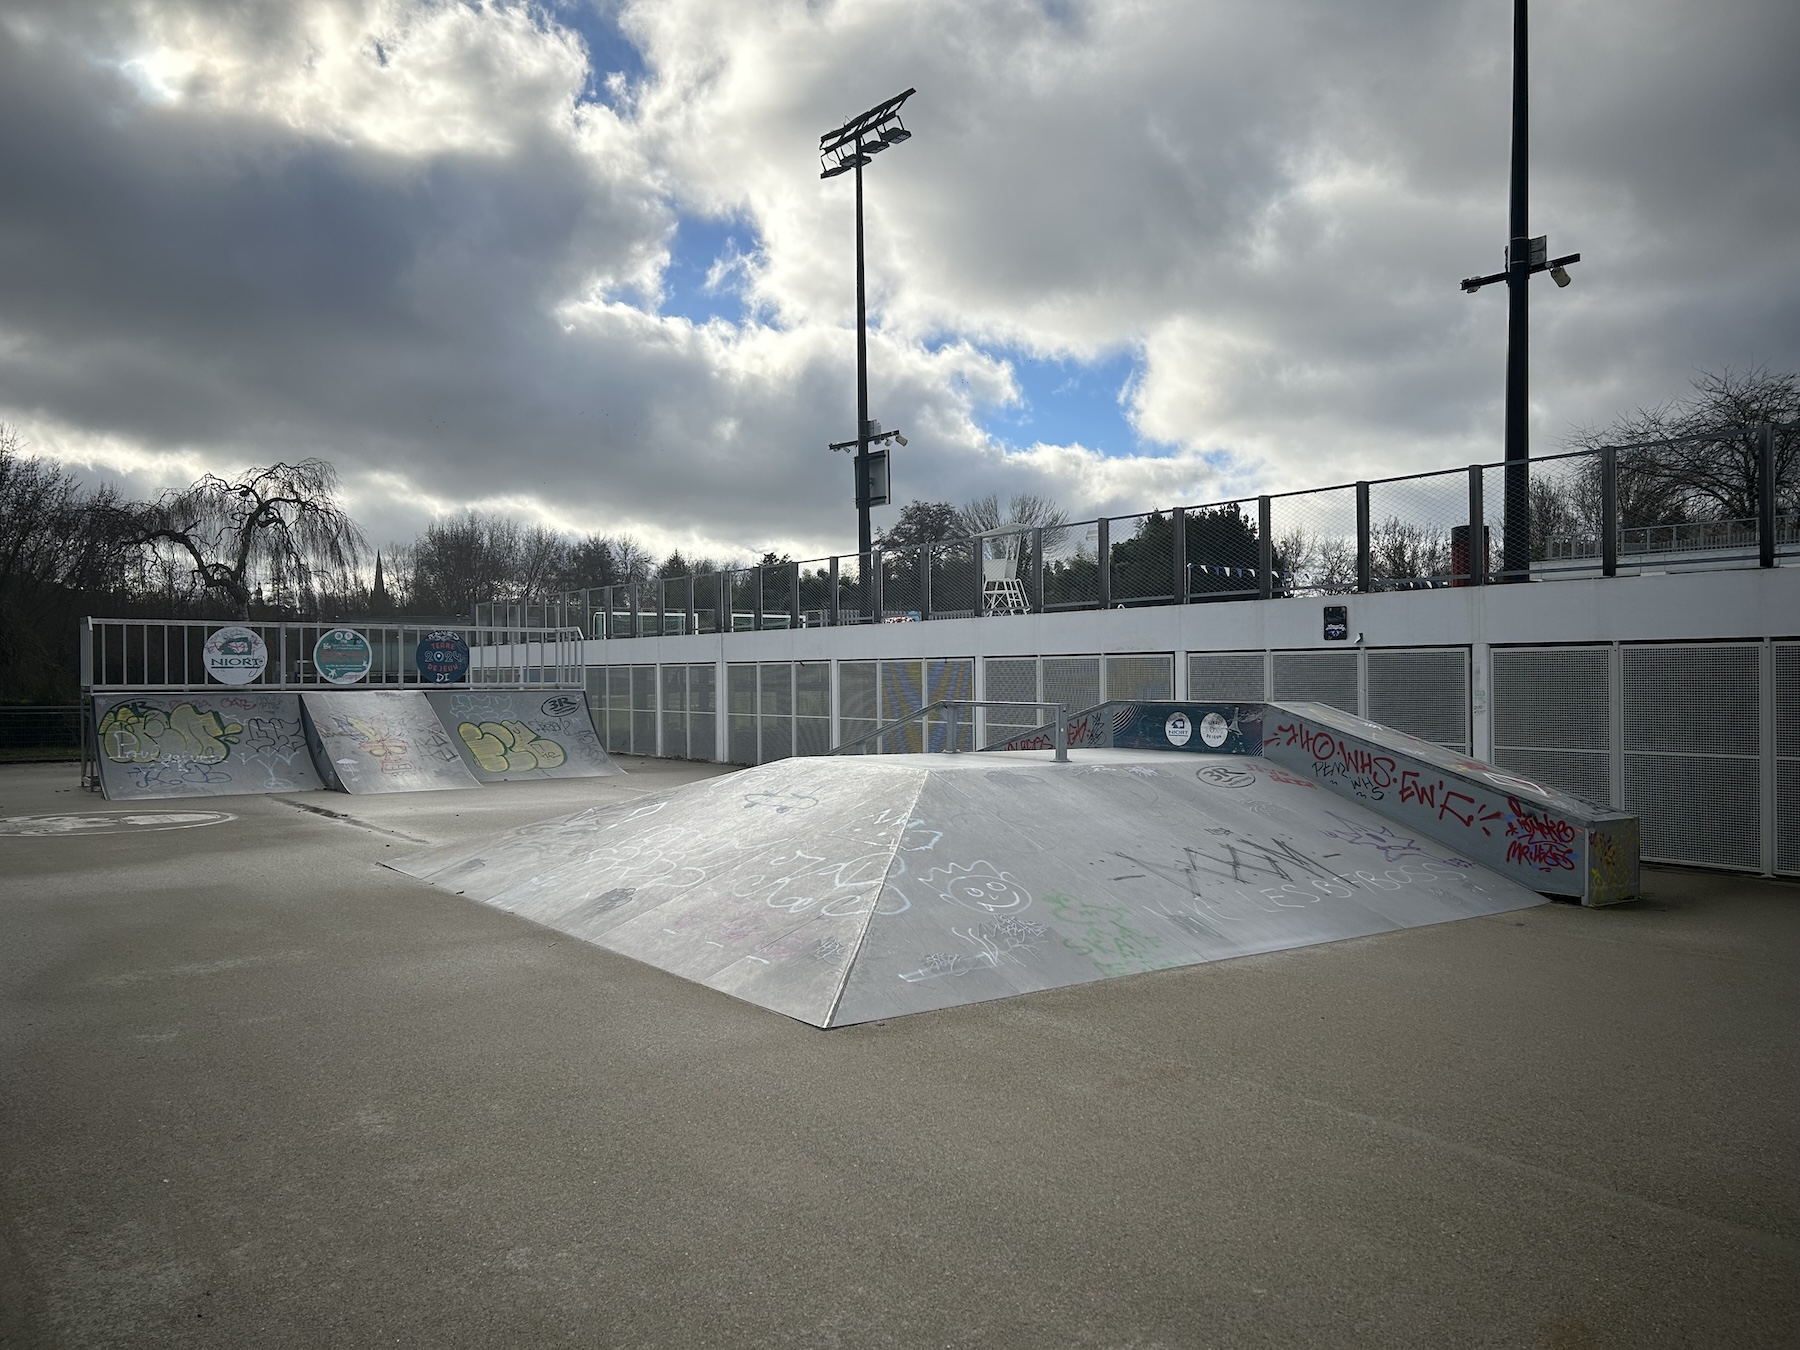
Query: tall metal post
x=1517, y=556
x=1265, y=551
x=1765, y=495
x=863, y=543
x=1178, y=554
x=1365, y=571
x=834, y=611
x=1478, y=541
x=1609, y=511
x=1103, y=551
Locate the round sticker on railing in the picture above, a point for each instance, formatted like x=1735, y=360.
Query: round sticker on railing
x=235, y=655
x=443, y=658
x=1214, y=729
x=342, y=656
x=1178, y=728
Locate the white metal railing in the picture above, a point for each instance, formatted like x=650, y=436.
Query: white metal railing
x=169, y=654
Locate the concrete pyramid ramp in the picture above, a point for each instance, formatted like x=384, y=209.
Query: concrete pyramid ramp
x=383, y=740
x=846, y=890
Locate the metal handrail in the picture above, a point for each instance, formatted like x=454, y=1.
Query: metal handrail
x=952, y=704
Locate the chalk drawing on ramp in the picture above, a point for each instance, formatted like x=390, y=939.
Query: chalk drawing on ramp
x=841, y=891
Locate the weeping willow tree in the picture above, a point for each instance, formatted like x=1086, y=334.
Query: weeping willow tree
x=278, y=531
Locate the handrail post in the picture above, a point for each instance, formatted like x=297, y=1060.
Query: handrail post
x=952, y=727
x=662, y=608
x=925, y=581
x=1105, y=562
x=1365, y=571
x=834, y=610
x=1178, y=554
x=756, y=598
x=637, y=627
x=877, y=612
x=1265, y=551
x=1478, y=552
x=692, y=622
x=1609, y=511
x=1765, y=495
x=1037, y=568
x=1062, y=733
x=794, y=598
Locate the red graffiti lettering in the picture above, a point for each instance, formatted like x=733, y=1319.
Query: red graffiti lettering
x=1468, y=817
x=1538, y=841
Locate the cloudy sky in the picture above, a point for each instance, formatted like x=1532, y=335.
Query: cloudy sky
x=574, y=260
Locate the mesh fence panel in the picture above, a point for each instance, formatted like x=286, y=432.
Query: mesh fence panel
x=815, y=594
x=1143, y=559
x=1418, y=531
x=1315, y=541
x=955, y=580
x=1071, y=566
x=902, y=584
x=1223, y=551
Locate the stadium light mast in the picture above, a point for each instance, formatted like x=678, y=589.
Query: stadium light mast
x=1525, y=257
x=844, y=150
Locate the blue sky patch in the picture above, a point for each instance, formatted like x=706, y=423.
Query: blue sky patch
x=1067, y=402
x=704, y=281
x=609, y=50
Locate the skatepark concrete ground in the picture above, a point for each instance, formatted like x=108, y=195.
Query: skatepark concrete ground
x=258, y=1090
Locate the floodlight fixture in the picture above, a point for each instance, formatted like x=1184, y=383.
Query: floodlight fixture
x=1560, y=275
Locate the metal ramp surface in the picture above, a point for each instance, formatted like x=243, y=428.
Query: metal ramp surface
x=213, y=744
x=507, y=735
x=383, y=740
x=840, y=891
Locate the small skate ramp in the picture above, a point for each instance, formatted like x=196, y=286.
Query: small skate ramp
x=1535, y=834
x=840, y=891
x=201, y=744
x=382, y=740
x=506, y=735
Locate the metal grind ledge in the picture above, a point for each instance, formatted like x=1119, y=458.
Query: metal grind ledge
x=1532, y=834
x=840, y=891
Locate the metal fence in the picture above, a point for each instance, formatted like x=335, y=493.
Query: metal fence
x=51, y=731
x=1726, y=500
x=151, y=654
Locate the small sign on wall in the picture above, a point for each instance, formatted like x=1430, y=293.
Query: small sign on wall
x=1337, y=623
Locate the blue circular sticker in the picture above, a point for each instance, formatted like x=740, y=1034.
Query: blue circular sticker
x=443, y=658
x=342, y=656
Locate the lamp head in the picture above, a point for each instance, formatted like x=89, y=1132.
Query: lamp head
x=899, y=438
x=1560, y=275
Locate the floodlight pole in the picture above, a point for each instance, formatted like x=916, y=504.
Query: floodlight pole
x=1516, y=554
x=1524, y=260
x=864, y=537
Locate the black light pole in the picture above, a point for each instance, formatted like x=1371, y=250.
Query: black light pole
x=1524, y=257
x=850, y=147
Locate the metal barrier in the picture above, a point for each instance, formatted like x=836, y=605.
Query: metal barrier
x=30, y=731
x=169, y=654
x=1587, y=513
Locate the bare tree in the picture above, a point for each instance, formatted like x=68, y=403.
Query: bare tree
x=278, y=528
x=1696, y=458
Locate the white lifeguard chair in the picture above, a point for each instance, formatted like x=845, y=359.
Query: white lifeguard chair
x=1001, y=590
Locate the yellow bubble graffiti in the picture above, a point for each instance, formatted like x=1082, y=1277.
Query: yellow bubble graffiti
x=137, y=733
x=500, y=746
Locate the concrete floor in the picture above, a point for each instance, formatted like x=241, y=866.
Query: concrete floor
x=257, y=1090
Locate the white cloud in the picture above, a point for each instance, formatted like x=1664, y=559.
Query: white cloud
x=393, y=234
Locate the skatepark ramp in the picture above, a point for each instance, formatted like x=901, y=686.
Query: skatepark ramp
x=234, y=741
x=846, y=890
x=1535, y=834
